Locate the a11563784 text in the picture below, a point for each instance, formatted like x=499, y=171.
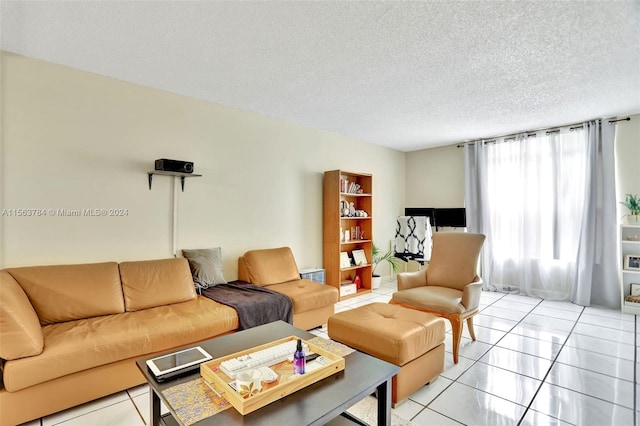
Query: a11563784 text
x=60, y=212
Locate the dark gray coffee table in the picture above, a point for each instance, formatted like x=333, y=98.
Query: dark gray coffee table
x=316, y=404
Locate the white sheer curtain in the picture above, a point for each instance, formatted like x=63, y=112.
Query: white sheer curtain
x=543, y=201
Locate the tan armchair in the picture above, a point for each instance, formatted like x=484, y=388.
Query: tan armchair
x=450, y=286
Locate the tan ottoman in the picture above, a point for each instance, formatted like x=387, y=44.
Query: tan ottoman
x=412, y=340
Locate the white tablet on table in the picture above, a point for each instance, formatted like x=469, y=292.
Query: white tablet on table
x=179, y=362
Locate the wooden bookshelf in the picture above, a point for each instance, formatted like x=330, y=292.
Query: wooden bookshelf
x=339, y=193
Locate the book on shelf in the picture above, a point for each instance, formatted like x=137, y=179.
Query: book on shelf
x=349, y=187
x=360, y=257
x=356, y=233
x=345, y=261
x=344, y=185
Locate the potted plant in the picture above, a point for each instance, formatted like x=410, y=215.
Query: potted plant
x=378, y=258
x=632, y=202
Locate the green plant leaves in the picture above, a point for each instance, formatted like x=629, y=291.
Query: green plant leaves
x=379, y=257
x=632, y=202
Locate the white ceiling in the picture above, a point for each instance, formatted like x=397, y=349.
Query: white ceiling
x=407, y=75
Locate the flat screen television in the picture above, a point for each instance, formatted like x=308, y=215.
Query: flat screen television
x=455, y=217
x=422, y=211
x=438, y=217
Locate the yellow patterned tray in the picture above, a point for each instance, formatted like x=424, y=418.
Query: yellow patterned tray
x=286, y=384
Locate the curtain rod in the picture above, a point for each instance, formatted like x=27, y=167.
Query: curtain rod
x=531, y=133
x=620, y=119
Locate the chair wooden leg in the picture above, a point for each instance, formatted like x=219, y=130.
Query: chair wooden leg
x=471, y=330
x=456, y=330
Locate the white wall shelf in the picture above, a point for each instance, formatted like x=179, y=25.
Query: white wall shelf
x=629, y=276
x=182, y=176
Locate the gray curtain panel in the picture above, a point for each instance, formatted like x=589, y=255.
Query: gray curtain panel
x=597, y=275
x=554, y=234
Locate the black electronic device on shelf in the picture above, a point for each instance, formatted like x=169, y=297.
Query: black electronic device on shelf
x=166, y=165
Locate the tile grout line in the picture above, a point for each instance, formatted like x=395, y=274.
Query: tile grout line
x=553, y=362
x=136, y=407
x=90, y=411
x=574, y=333
x=496, y=345
x=425, y=407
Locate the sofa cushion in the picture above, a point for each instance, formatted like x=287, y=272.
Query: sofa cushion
x=432, y=298
x=268, y=266
x=79, y=345
x=206, y=266
x=306, y=295
x=61, y=293
x=20, y=331
x=151, y=283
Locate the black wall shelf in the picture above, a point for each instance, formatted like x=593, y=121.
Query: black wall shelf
x=182, y=176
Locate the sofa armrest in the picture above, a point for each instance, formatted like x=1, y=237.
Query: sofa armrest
x=471, y=294
x=20, y=330
x=407, y=280
x=243, y=273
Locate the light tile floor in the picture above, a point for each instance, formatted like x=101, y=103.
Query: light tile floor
x=535, y=362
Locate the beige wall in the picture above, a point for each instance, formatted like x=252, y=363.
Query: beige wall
x=627, y=160
x=76, y=140
x=435, y=177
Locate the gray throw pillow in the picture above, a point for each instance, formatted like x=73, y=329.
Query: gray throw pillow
x=206, y=266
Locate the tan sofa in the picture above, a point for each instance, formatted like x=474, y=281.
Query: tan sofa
x=276, y=270
x=72, y=333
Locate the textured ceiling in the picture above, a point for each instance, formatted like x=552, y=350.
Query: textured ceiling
x=406, y=75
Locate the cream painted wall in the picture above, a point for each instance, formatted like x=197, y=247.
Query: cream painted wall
x=76, y=140
x=435, y=177
x=627, y=160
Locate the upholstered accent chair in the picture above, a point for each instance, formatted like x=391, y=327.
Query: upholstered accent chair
x=450, y=286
